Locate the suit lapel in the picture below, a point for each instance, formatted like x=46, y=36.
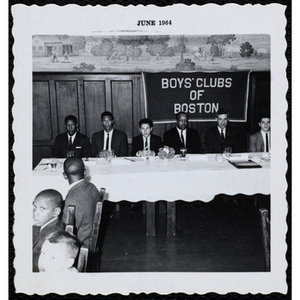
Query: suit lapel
x=177, y=135
x=218, y=136
x=44, y=231
x=101, y=140
x=141, y=142
x=261, y=142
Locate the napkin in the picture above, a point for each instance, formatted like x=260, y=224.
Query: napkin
x=256, y=159
x=239, y=157
x=197, y=157
x=120, y=161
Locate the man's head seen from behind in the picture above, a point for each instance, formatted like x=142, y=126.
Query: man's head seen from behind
x=74, y=169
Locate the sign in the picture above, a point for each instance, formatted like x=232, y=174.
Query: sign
x=199, y=94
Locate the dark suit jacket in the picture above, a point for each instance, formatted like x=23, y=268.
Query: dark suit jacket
x=256, y=142
x=119, y=143
x=38, y=238
x=193, y=143
x=84, y=196
x=213, y=141
x=81, y=145
x=138, y=143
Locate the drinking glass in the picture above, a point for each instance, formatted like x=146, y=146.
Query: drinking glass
x=70, y=153
x=227, y=151
x=111, y=154
x=183, y=151
x=53, y=163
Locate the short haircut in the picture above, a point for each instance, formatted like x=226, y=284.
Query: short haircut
x=63, y=237
x=222, y=111
x=73, y=166
x=145, y=121
x=263, y=115
x=70, y=118
x=107, y=114
x=51, y=196
x=181, y=113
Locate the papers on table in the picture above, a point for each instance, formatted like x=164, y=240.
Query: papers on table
x=197, y=157
x=239, y=157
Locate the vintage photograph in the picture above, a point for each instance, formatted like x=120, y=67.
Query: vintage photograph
x=151, y=157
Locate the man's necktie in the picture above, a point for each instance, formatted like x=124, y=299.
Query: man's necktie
x=267, y=142
x=146, y=144
x=107, y=141
x=70, y=142
x=223, y=138
x=182, y=139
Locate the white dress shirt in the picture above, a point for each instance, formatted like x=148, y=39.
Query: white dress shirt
x=109, y=141
x=263, y=133
x=183, y=133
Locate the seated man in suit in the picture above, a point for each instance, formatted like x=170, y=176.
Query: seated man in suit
x=83, y=195
x=47, y=207
x=146, y=141
x=183, y=136
x=109, y=138
x=260, y=141
x=72, y=140
x=222, y=135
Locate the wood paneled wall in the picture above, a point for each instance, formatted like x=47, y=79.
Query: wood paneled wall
x=56, y=95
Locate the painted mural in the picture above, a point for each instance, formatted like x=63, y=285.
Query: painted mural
x=151, y=53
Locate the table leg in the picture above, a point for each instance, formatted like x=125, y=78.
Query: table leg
x=171, y=218
x=150, y=230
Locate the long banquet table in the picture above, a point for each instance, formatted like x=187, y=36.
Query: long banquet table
x=199, y=177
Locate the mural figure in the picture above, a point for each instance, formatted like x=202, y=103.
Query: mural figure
x=157, y=53
x=54, y=57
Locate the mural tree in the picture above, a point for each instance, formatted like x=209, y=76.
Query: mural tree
x=78, y=43
x=246, y=49
x=133, y=42
x=219, y=41
x=158, y=46
x=106, y=47
x=181, y=47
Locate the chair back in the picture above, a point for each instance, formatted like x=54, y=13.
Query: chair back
x=70, y=219
x=82, y=259
x=96, y=223
x=265, y=225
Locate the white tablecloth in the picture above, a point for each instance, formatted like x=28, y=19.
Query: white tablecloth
x=199, y=177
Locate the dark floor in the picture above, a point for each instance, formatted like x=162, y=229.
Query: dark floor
x=223, y=235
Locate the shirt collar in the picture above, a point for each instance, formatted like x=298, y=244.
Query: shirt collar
x=73, y=136
x=264, y=133
x=74, y=183
x=220, y=129
x=48, y=223
x=179, y=130
x=110, y=133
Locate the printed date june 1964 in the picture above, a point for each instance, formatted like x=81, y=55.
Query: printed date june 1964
x=153, y=22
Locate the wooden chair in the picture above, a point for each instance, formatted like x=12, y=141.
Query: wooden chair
x=265, y=224
x=70, y=219
x=94, y=258
x=84, y=250
x=83, y=259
